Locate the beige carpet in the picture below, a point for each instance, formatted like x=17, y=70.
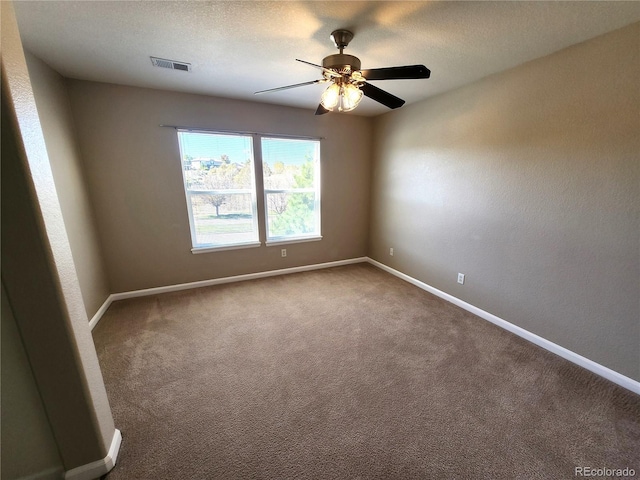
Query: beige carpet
x=346, y=373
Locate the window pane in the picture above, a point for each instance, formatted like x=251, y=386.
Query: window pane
x=291, y=173
x=289, y=164
x=292, y=214
x=223, y=163
x=213, y=161
x=223, y=219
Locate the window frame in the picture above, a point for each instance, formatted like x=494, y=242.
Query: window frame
x=189, y=193
x=316, y=190
x=259, y=191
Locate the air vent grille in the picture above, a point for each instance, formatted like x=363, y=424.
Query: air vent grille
x=172, y=64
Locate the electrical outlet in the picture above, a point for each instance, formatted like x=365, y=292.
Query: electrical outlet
x=283, y=252
x=461, y=278
x=391, y=251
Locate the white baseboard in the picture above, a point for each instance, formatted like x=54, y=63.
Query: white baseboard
x=101, y=311
x=235, y=278
x=216, y=281
x=584, y=362
x=94, y=470
x=573, y=357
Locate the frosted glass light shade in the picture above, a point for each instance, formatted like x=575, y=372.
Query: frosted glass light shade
x=330, y=97
x=350, y=97
x=344, y=96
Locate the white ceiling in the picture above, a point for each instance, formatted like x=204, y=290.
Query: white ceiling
x=238, y=47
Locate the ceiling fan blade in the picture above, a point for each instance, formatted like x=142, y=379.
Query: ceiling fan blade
x=381, y=96
x=407, y=72
x=287, y=87
x=325, y=70
x=321, y=110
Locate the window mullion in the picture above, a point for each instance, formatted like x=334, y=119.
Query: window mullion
x=261, y=201
x=291, y=190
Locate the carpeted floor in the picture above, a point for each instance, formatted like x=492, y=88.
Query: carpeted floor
x=346, y=373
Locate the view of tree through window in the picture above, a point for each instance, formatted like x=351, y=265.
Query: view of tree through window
x=291, y=172
x=219, y=183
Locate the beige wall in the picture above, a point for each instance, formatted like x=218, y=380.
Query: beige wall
x=54, y=111
x=529, y=183
x=133, y=173
x=28, y=446
x=38, y=273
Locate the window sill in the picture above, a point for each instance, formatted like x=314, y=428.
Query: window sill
x=282, y=241
x=209, y=249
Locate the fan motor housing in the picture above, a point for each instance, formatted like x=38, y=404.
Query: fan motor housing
x=342, y=61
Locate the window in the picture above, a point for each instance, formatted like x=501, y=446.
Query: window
x=291, y=174
x=221, y=189
x=219, y=180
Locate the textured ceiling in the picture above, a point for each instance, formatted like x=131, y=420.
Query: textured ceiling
x=237, y=48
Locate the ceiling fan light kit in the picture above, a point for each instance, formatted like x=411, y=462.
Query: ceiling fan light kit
x=345, y=96
x=349, y=83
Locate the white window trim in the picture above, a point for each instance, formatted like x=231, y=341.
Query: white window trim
x=235, y=246
x=283, y=240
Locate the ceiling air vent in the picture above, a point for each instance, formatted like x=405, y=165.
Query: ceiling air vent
x=172, y=64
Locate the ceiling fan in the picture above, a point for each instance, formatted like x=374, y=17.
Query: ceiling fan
x=349, y=83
